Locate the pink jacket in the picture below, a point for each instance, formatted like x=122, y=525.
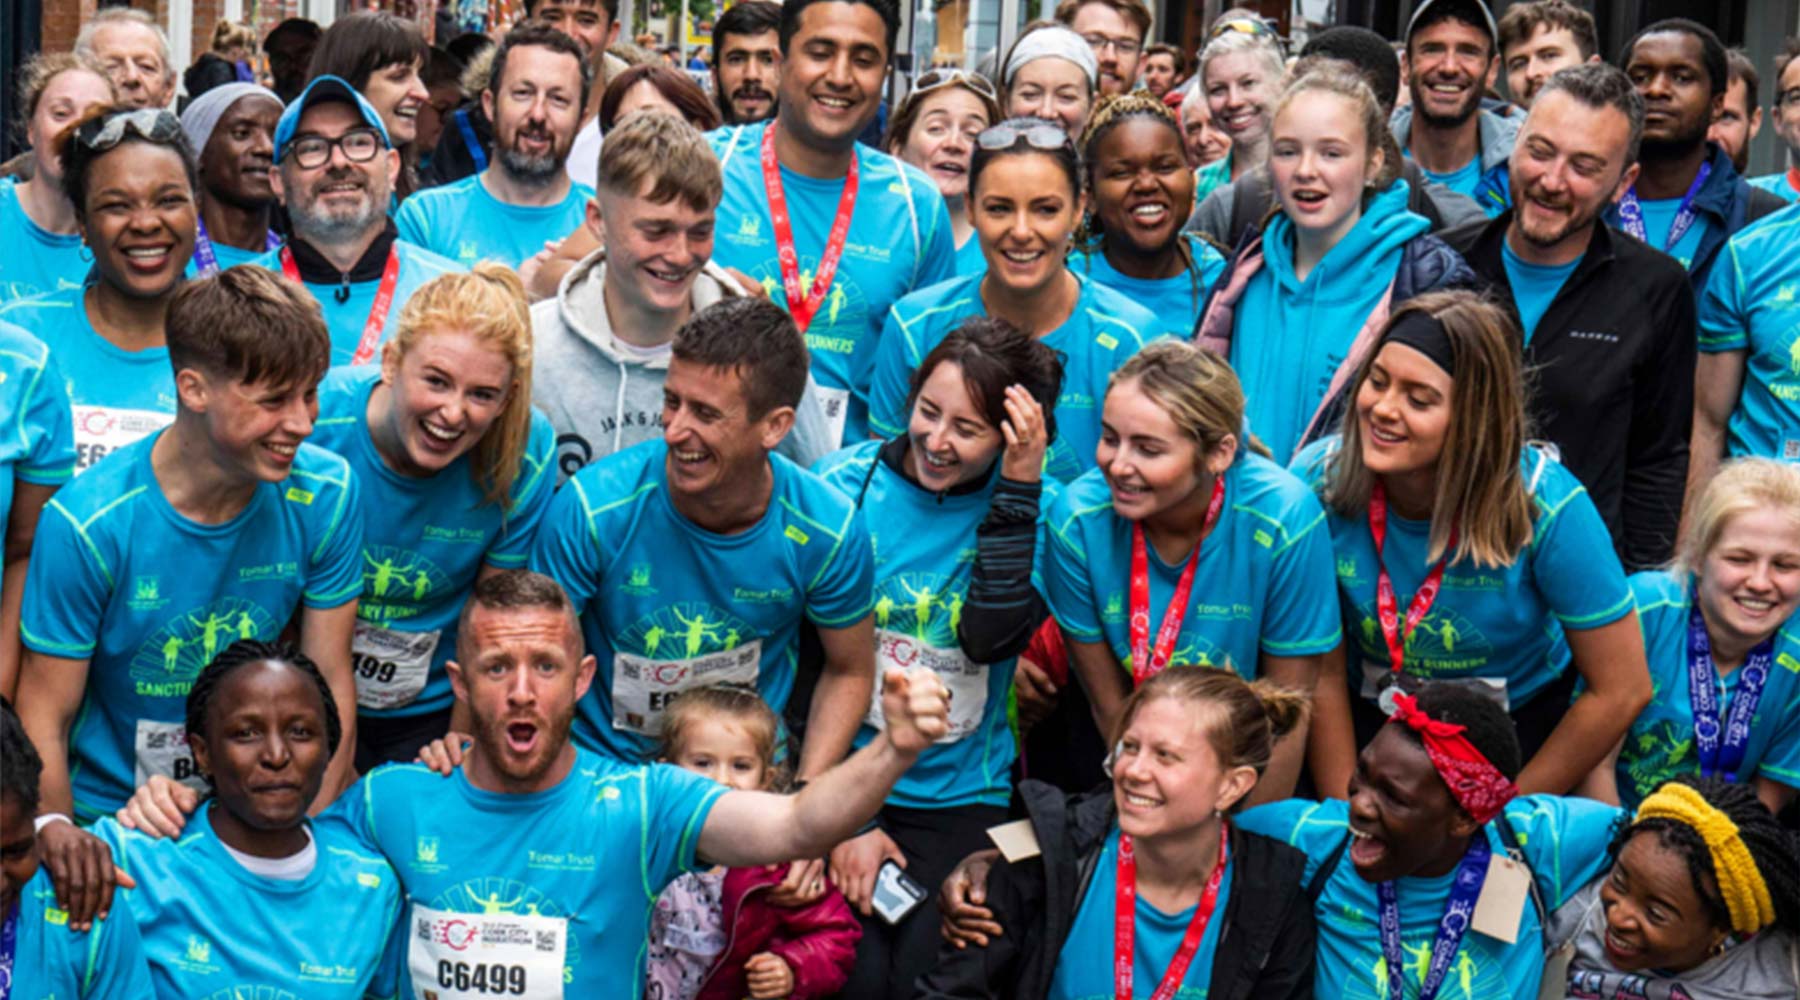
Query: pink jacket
x=817, y=941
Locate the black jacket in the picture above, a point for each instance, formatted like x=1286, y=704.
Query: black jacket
x=463, y=147
x=1265, y=947
x=1610, y=374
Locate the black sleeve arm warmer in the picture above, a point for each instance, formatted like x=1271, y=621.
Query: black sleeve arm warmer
x=1003, y=608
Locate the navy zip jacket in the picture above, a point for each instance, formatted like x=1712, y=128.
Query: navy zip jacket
x=1728, y=203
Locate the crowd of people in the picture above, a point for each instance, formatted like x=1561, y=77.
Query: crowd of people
x=502, y=519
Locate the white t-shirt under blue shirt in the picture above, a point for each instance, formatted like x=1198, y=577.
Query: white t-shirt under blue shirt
x=466, y=223
x=1534, y=286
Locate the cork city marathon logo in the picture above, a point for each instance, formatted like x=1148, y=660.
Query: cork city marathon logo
x=167, y=663
x=397, y=583
x=678, y=632
x=497, y=897
x=925, y=606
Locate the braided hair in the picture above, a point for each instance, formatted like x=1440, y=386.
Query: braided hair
x=1775, y=849
x=1110, y=113
x=246, y=652
x=20, y=765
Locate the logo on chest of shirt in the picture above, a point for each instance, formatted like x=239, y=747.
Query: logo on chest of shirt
x=397, y=582
x=196, y=959
x=146, y=594
x=467, y=251
x=925, y=606
x=425, y=856
x=684, y=631
x=493, y=896
x=563, y=861
x=749, y=230
x=1444, y=641
x=637, y=581
x=168, y=661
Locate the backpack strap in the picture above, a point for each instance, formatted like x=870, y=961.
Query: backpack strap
x=1509, y=840
x=731, y=147
x=470, y=141
x=1315, y=886
x=912, y=215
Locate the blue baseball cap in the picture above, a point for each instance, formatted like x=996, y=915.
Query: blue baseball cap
x=324, y=90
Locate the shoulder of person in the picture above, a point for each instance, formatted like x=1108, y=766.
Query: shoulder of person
x=808, y=493
x=942, y=298
x=431, y=262
x=1273, y=490
x=846, y=467
x=1545, y=824
x=619, y=475
x=1316, y=829
x=1658, y=592
x=1086, y=497
x=20, y=349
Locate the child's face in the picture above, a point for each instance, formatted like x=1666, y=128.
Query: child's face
x=725, y=752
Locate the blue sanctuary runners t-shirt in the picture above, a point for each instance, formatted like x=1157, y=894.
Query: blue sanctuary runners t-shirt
x=1082, y=969
x=213, y=928
x=1563, y=841
x=924, y=545
x=1504, y=625
x=557, y=885
x=52, y=962
x=1176, y=301
x=1101, y=334
x=1262, y=583
x=35, y=261
x=1660, y=743
x=1659, y=218
x=465, y=223
x=347, y=318
x=1778, y=184
x=424, y=542
x=37, y=438
x=667, y=605
x=1752, y=304
x=1534, y=286
x=899, y=242
x=116, y=397
x=122, y=580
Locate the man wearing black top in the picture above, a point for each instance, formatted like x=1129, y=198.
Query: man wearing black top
x=1608, y=323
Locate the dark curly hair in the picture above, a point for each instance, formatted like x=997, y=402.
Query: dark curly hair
x=20, y=764
x=243, y=653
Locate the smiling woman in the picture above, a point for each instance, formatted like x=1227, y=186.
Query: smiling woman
x=382, y=56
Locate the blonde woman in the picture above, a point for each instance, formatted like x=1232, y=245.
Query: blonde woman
x=56, y=90
x=454, y=469
x=1050, y=73
x=1240, y=78
x=1721, y=639
x=1463, y=555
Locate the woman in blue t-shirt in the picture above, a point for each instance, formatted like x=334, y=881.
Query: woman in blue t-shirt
x=1723, y=644
x=56, y=90
x=952, y=507
x=36, y=458
x=455, y=470
x=1502, y=573
x=934, y=129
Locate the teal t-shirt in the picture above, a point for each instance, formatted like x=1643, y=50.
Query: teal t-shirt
x=116, y=397
x=347, y=318
x=969, y=258
x=1262, y=583
x=1101, y=334
x=1176, y=301
x=225, y=256
x=667, y=605
x=1563, y=841
x=1464, y=180
x=36, y=260
x=122, y=580
x=465, y=223
x=899, y=242
x=1779, y=184
x=1211, y=177
x=1659, y=218
x=576, y=866
x=424, y=543
x=213, y=928
x=1660, y=743
x=1752, y=304
x=52, y=962
x=1504, y=625
x=1083, y=971
x=924, y=545
x=1534, y=286
x=37, y=438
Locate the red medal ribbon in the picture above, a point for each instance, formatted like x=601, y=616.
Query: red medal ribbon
x=1793, y=178
x=1125, y=921
x=1144, y=663
x=384, y=298
x=803, y=303
x=1387, y=607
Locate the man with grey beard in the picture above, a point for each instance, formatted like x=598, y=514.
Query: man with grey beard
x=524, y=198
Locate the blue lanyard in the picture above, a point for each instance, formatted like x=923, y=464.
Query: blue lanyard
x=1631, y=214
x=207, y=262
x=9, y=943
x=476, y=153
x=1716, y=757
x=1471, y=873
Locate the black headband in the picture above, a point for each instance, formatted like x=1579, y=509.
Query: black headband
x=1422, y=332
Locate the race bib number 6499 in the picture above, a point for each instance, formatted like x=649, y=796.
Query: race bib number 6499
x=476, y=956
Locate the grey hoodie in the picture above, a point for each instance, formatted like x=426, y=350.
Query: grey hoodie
x=603, y=395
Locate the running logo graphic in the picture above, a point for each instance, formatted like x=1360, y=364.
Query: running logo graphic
x=249, y=991
x=926, y=606
x=396, y=582
x=685, y=631
x=167, y=663
x=1444, y=641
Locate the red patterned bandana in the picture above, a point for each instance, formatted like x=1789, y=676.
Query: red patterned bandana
x=1477, y=785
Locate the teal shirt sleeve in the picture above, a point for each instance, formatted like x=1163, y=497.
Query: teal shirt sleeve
x=411, y=223
x=1724, y=322
x=893, y=373
x=117, y=967
x=940, y=244
x=334, y=570
x=66, y=589
x=1565, y=840
x=1573, y=562
x=1067, y=587
x=841, y=590
x=46, y=424
x=531, y=493
x=565, y=549
x=676, y=805
x=1781, y=761
x=1302, y=617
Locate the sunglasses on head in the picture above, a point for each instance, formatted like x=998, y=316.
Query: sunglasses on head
x=1045, y=137
x=934, y=79
x=154, y=124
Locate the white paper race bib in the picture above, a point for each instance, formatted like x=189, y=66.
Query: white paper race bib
x=391, y=666
x=835, y=404
x=966, y=679
x=642, y=687
x=475, y=956
x=100, y=430
x=162, y=748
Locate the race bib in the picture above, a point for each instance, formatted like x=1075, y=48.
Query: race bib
x=966, y=679
x=642, y=687
x=101, y=430
x=162, y=748
x=391, y=666
x=835, y=404
x=474, y=956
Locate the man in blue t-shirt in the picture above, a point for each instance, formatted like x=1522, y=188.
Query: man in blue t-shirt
x=1451, y=60
x=540, y=856
x=850, y=253
x=524, y=198
x=1784, y=120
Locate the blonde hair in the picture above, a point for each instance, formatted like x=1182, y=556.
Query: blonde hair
x=1739, y=487
x=1330, y=77
x=1243, y=719
x=228, y=35
x=734, y=703
x=665, y=150
x=487, y=302
x=40, y=71
x=1197, y=389
x=1480, y=491
x=1266, y=49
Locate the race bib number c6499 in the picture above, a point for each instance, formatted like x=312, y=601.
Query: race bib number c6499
x=162, y=748
x=476, y=956
x=966, y=679
x=391, y=667
x=642, y=687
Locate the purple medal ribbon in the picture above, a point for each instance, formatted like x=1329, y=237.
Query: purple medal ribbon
x=1722, y=753
x=1631, y=214
x=207, y=262
x=9, y=943
x=1471, y=873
